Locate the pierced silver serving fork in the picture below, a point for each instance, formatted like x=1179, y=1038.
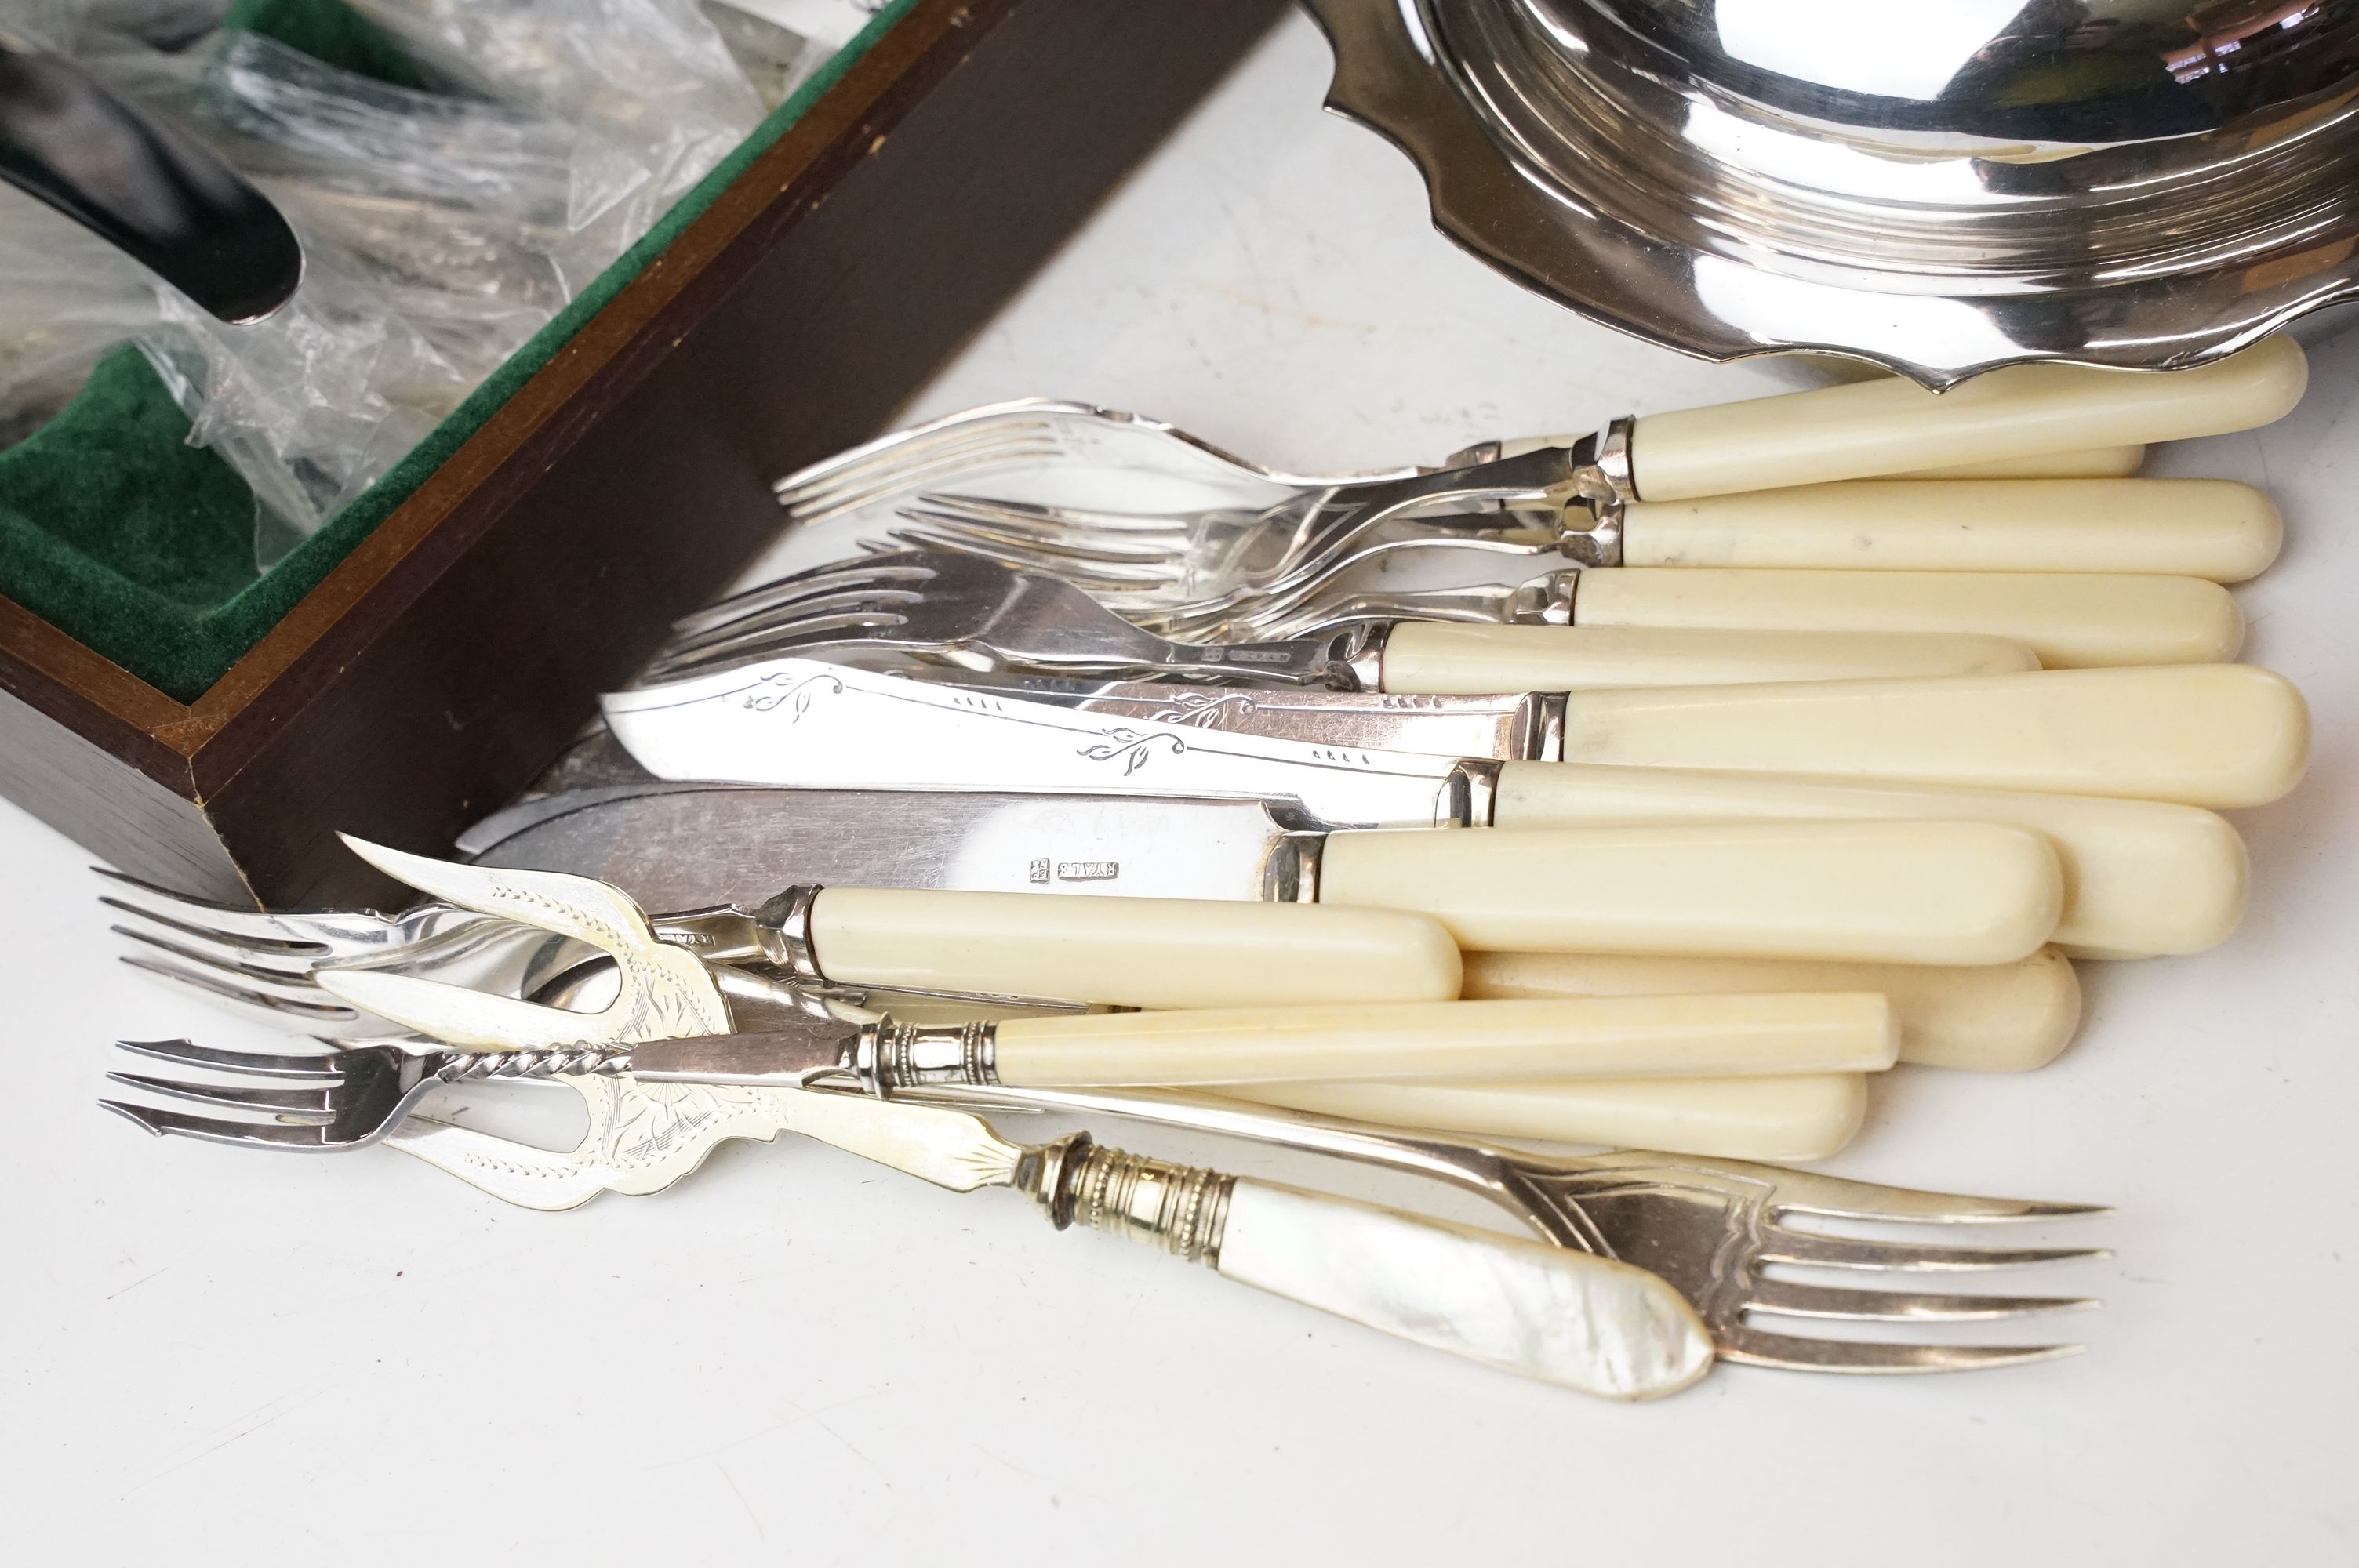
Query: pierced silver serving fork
x=956, y=609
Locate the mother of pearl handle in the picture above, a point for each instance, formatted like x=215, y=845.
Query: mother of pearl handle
x=2215, y=735
x=1891, y=426
x=1469, y=1041
x=1909, y=892
x=2141, y=877
x=1588, y=1323
x=1434, y=658
x=2182, y=527
x=2068, y=619
x=1986, y=1017
x=1800, y=1117
x=1131, y=952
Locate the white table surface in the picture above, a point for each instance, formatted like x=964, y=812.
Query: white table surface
x=211, y=1355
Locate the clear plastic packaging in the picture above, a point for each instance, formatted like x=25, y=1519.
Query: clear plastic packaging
x=650, y=84
x=440, y=229
x=66, y=297
x=432, y=228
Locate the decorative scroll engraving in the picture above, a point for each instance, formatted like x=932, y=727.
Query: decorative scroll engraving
x=800, y=693
x=1206, y=711
x=1132, y=748
x=642, y=1138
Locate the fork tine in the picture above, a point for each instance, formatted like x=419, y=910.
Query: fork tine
x=863, y=573
x=842, y=580
x=247, y=997
x=310, y=1136
x=1805, y=1192
x=769, y=645
x=188, y=1053
x=887, y=604
x=1035, y=520
x=1138, y=554
x=820, y=501
x=1752, y=1346
x=197, y=913
x=1792, y=1299
x=238, y=1096
x=257, y=961
x=1779, y=1244
x=885, y=461
x=1156, y=556
x=1096, y=579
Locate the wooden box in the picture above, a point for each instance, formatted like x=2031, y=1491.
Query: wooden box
x=450, y=655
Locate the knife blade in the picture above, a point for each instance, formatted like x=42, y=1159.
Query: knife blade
x=671, y=846
x=818, y=725
x=1514, y=726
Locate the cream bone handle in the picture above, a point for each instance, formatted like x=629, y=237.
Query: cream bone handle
x=2141, y=877
x=2212, y=735
x=1130, y=952
x=2178, y=527
x=1888, y=891
x=2070, y=619
x=1584, y=1322
x=2102, y=463
x=1889, y=425
x=1468, y=1041
x=1985, y=1017
x=1454, y=658
x=1807, y=1116
x=1435, y=658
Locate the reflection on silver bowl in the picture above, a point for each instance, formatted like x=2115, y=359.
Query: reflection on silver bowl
x=1940, y=187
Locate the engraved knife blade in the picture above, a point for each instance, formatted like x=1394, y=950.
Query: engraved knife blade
x=809, y=724
x=1517, y=727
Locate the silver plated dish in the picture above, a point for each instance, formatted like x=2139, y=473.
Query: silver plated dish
x=1940, y=188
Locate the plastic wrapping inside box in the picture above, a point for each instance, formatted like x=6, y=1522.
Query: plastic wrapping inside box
x=141, y=547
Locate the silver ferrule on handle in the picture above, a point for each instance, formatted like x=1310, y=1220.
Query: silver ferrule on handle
x=785, y=927
x=1600, y=488
x=778, y=934
x=890, y=1056
x=1538, y=735
x=1291, y=874
x=1470, y=795
x=1178, y=1210
x=1545, y=600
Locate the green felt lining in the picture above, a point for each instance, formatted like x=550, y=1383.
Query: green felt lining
x=141, y=547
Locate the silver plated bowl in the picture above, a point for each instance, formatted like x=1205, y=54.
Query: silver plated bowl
x=1940, y=187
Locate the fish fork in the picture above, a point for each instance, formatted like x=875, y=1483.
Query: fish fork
x=978, y=614
x=1712, y=1229
x=1034, y=438
x=260, y=964
x=1050, y=450
x=1208, y=577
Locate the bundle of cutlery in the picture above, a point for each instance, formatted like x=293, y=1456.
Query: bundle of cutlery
x=1838, y=727
x=1572, y=1309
